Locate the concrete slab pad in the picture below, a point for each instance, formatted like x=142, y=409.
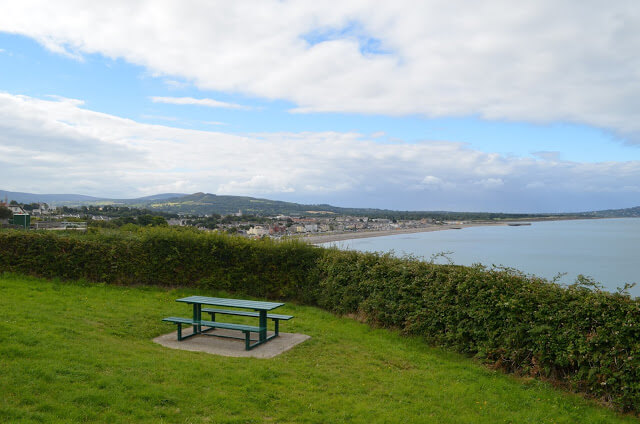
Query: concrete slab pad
x=231, y=347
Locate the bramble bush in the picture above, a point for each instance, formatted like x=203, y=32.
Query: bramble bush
x=583, y=337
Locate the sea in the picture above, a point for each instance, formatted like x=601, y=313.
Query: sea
x=607, y=250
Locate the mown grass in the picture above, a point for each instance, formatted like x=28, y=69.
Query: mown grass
x=81, y=352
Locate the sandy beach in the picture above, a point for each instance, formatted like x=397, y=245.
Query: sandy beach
x=350, y=235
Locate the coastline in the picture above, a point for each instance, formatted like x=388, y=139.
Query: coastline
x=328, y=238
x=352, y=235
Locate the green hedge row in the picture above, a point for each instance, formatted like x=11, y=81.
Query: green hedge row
x=165, y=257
x=587, y=339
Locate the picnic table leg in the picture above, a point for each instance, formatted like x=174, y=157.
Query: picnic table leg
x=197, y=316
x=213, y=318
x=247, y=340
x=263, y=325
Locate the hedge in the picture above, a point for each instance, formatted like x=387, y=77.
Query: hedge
x=586, y=339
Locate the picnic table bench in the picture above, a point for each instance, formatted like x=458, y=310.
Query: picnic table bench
x=259, y=311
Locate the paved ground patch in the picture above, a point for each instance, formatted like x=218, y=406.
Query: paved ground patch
x=231, y=347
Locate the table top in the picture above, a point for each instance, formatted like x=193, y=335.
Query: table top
x=232, y=303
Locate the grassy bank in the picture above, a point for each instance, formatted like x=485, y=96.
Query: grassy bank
x=83, y=352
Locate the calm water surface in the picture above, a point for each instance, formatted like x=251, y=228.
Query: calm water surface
x=605, y=249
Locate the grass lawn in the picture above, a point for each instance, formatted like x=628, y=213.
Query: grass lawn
x=73, y=352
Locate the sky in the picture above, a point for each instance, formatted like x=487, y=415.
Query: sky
x=501, y=106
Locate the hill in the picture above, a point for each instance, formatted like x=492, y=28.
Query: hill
x=615, y=213
x=78, y=199
x=46, y=198
x=208, y=204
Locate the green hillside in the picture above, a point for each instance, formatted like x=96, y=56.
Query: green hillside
x=84, y=353
x=207, y=203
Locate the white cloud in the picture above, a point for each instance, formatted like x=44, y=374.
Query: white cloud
x=431, y=182
x=58, y=146
x=538, y=60
x=535, y=184
x=490, y=183
x=73, y=102
x=545, y=155
x=173, y=84
x=197, y=102
x=257, y=184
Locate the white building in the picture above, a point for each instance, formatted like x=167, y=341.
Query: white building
x=16, y=209
x=258, y=231
x=311, y=228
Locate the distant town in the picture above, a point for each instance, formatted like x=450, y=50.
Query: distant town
x=44, y=217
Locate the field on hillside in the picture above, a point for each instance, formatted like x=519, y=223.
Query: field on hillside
x=80, y=352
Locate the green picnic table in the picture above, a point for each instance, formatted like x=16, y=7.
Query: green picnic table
x=253, y=308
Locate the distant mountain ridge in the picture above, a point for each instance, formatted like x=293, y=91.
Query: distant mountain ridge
x=76, y=199
x=45, y=198
x=208, y=203
x=633, y=212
